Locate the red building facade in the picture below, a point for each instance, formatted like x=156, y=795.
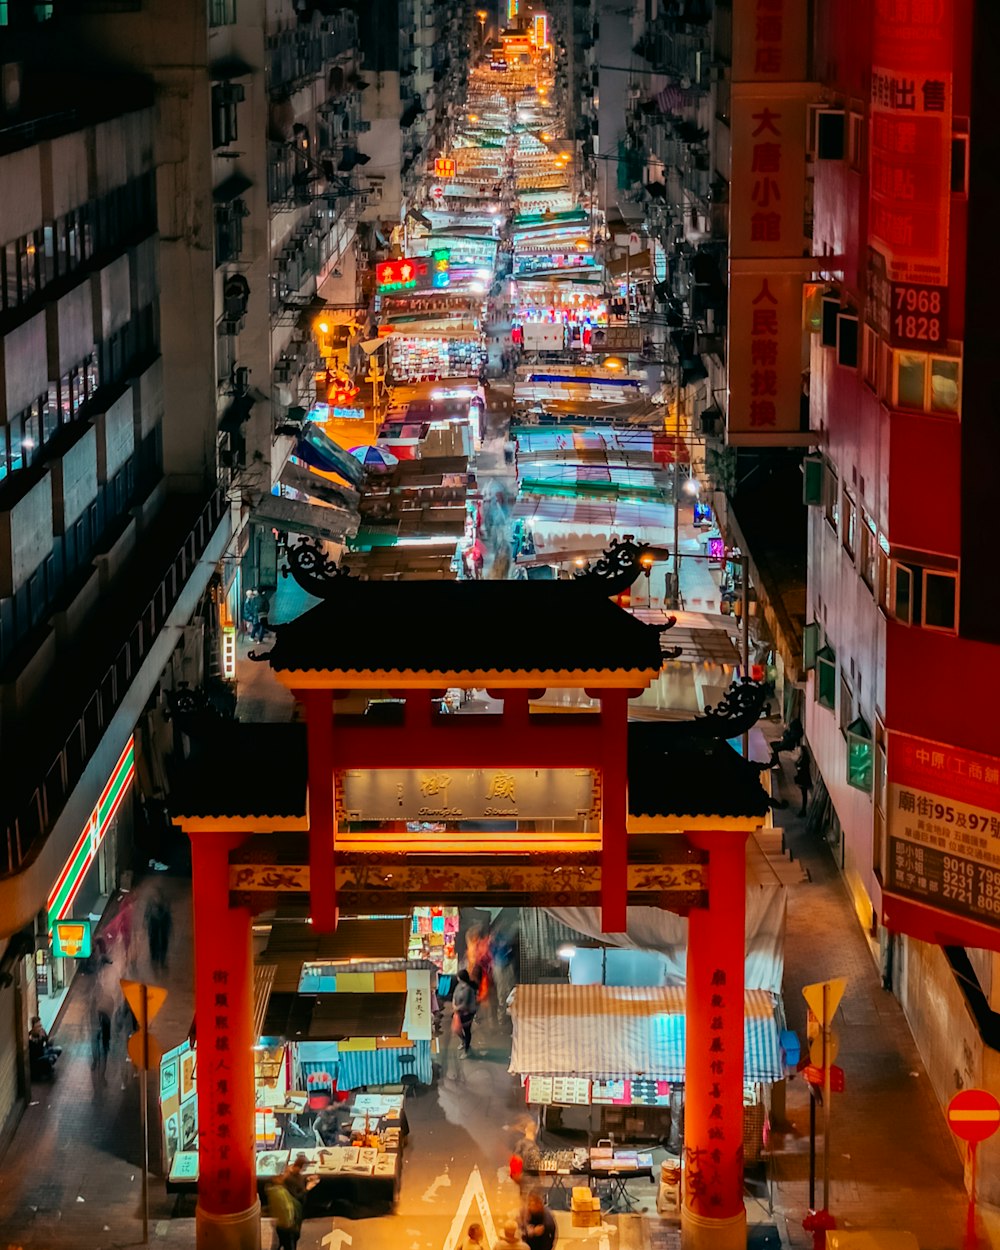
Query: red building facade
x=902, y=604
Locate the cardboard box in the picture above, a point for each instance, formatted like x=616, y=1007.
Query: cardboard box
x=587, y=1219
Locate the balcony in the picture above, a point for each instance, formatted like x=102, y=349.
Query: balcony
x=49, y=747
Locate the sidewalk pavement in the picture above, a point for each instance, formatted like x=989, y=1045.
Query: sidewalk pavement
x=894, y=1162
x=71, y=1177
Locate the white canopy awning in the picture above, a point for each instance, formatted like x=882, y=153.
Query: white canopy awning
x=611, y=1032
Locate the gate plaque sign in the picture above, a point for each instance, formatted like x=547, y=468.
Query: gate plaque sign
x=468, y=794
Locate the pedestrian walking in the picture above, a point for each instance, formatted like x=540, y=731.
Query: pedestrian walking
x=464, y=1001
x=510, y=1238
x=803, y=776
x=100, y=1041
x=250, y=612
x=475, y=1238
x=263, y=625
x=538, y=1225
x=285, y=1212
x=159, y=924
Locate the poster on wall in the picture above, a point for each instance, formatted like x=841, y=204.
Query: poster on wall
x=944, y=827
x=168, y=1079
x=189, y=1124
x=187, y=1064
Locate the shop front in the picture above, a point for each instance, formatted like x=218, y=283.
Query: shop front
x=82, y=890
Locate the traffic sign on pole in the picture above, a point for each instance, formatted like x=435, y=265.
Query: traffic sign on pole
x=155, y=997
x=818, y=1003
x=145, y=1052
x=817, y=1076
x=974, y=1115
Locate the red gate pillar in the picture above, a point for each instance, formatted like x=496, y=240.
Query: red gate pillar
x=614, y=810
x=318, y=705
x=713, y=1216
x=228, y=1214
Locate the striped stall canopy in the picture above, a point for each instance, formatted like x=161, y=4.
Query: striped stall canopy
x=384, y=1066
x=609, y=1032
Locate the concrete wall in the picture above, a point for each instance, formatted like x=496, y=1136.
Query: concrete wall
x=383, y=143
x=949, y=1043
x=24, y=365
x=25, y=535
x=21, y=202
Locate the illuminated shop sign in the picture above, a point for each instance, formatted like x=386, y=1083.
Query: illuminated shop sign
x=398, y=275
x=229, y=652
x=412, y=272
x=71, y=939
x=348, y=414
x=67, y=885
x=444, y=167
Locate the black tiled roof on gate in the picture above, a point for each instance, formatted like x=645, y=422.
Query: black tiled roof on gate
x=670, y=774
x=243, y=770
x=467, y=626
x=260, y=770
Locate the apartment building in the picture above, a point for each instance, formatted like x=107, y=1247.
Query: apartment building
x=902, y=613
x=104, y=561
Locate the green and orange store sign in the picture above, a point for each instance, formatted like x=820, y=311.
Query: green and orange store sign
x=68, y=883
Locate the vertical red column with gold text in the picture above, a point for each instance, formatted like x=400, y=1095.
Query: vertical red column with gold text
x=713, y=1214
x=228, y=1209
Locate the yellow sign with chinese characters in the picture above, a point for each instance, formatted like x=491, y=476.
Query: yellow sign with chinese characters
x=469, y=794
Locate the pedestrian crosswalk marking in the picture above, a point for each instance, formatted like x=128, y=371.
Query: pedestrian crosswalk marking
x=473, y=1208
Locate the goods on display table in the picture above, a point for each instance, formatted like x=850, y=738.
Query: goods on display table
x=364, y=1171
x=433, y=936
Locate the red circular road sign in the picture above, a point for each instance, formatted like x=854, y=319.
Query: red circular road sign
x=974, y=1115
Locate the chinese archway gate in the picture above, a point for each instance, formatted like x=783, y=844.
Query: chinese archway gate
x=270, y=810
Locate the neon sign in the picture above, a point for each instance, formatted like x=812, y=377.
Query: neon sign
x=444, y=167
x=442, y=265
x=397, y=275
x=68, y=883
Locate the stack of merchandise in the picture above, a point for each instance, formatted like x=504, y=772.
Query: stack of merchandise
x=586, y=1208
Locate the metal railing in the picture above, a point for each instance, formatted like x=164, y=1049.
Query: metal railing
x=29, y=820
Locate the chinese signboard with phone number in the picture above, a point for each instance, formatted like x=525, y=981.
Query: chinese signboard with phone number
x=944, y=827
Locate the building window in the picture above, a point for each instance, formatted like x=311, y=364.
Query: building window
x=927, y=383
x=826, y=676
x=229, y=230
x=225, y=97
x=810, y=645
x=960, y=165
x=856, y=140
x=860, y=755
x=924, y=596
x=847, y=340
x=846, y=711
x=832, y=507
x=221, y=12
x=848, y=534
x=870, y=342
x=868, y=563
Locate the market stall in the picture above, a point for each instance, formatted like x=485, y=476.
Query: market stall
x=620, y=1051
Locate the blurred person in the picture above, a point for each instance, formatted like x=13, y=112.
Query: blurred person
x=475, y=1238
x=465, y=1003
x=510, y=1238
x=538, y=1225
